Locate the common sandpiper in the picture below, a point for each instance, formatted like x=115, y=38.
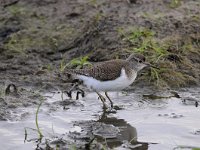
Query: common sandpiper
x=112, y=75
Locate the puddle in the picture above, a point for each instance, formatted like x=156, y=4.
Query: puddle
x=141, y=123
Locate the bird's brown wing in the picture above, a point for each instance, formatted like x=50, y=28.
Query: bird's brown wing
x=104, y=71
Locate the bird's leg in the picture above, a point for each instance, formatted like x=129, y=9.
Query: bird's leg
x=102, y=99
x=111, y=103
x=69, y=93
x=80, y=91
x=75, y=86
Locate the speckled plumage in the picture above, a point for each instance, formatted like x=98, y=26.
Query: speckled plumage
x=104, y=71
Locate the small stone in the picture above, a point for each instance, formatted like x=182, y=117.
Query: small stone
x=132, y=1
x=174, y=116
x=196, y=104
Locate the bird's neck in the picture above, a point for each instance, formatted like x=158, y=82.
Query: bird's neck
x=130, y=72
x=134, y=67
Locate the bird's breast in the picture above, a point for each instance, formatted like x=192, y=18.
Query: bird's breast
x=119, y=83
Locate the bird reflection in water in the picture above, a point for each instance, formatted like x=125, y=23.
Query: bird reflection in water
x=126, y=137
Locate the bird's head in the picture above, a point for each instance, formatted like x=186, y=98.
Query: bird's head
x=138, y=62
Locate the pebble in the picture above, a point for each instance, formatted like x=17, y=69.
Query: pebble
x=171, y=115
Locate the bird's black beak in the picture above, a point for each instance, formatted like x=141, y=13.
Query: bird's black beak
x=150, y=65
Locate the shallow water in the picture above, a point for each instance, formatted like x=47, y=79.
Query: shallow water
x=141, y=123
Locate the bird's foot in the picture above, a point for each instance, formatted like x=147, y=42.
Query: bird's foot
x=115, y=107
x=109, y=110
x=105, y=107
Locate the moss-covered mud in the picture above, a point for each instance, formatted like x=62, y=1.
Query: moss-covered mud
x=38, y=38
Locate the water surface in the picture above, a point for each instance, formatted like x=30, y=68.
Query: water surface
x=141, y=123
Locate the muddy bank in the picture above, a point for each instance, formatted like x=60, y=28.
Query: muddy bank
x=37, y=37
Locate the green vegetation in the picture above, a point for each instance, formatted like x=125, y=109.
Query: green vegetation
x=63, y=65
x=16, y=44
x=36, y=120
x=143, y=41
x=185, y=147
x=72, y=147
x=175, y=3
x=48, y=38
x=77, y=63
x=37, y=129
x=93, y=3
x=2, y=92
x=80, y=62
x=35, y=32
x=17, y=10
x=167, y=53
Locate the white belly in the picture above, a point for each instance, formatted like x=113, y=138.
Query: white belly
x=114, y=85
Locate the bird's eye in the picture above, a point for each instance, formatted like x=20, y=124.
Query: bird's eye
x=140, y=61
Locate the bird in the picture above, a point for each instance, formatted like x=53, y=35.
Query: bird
x=111, y=75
